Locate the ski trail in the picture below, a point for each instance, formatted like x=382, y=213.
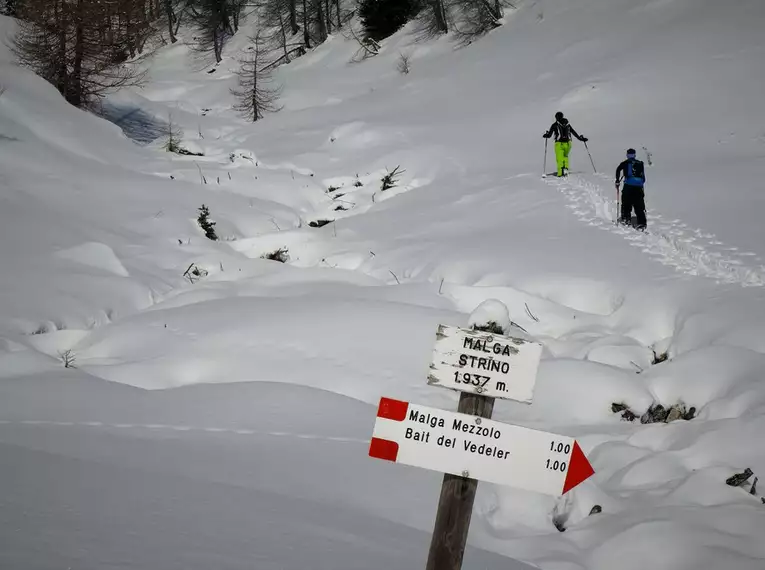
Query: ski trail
x=671, y=242
x=182, y=428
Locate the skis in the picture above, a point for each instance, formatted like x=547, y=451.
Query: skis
x=555, y=174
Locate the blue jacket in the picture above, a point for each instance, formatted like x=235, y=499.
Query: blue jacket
x=632, y=171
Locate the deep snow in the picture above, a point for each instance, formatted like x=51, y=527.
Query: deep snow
x=97, y=232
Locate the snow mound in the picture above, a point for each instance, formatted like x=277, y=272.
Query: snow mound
x=96, y=255
x=491, y=311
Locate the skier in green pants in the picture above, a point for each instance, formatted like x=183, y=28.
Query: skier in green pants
x=563, y=131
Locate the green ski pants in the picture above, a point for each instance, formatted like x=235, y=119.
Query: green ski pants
x=561, y=155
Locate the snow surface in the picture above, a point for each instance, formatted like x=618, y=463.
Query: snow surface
x=223, y=423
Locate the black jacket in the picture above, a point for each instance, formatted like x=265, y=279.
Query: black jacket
x=563, y=131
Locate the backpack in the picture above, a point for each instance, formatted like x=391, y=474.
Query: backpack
x=635, y=173
x=564, y=131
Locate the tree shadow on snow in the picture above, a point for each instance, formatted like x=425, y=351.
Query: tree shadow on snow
x=136, y=123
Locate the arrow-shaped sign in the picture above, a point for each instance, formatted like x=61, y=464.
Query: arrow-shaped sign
x=478, y=448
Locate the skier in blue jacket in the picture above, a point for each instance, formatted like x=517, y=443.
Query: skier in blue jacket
x=632, y=172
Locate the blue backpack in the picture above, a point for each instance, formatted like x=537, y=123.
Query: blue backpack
x=635, y=173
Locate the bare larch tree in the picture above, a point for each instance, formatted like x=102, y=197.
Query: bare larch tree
x=436, y=17
x=314, y=20
x=282, y=17
x=256, y=93
x=82, y=46
x=215, y=21
x=477, y=17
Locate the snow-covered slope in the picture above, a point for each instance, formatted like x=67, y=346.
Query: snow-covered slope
x=97, y=232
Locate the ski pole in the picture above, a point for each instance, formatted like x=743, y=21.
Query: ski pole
x=591, y=161
x=544, y=167
x=618, y=202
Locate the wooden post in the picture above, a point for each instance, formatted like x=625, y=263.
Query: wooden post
x=455, y=506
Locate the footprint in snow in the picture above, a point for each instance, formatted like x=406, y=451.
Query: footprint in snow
x=691, y=251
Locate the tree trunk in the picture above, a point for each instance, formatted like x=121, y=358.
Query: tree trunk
x=440, y=14
x=328, y=14
x=170, y=20
x=284, y=37
x=142, y=23
x=130, y=31
x=494, y=9
x=320, y=21
x=178, y=18
x=256, y=58
x=339, y=18
x=235, y=16
x=294, y=28
x=62, y=77
x=75, y=85
x=218, y=46
x=225, y=15
x=306, y=34
x=142, y=41
x=105, y=30
x=255, y=91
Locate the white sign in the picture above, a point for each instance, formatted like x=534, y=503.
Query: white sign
x=484, y=363
x=478, y=448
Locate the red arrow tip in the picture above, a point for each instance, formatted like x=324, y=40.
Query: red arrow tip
x=579, y=469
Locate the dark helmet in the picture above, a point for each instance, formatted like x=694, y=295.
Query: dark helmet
x=631, y=153
x=558, y=116
x=564, y=121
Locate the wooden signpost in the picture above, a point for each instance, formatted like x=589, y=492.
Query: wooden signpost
x=468, y=446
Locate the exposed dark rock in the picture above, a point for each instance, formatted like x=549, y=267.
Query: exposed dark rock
x=629, y=416
x=654, y=414
x=739, y=478
x=659, y=358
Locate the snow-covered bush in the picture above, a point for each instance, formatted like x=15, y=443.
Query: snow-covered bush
x=67, y=358
x=206, y=224
x=390, y=180
x=403, y=66
x=281, y=255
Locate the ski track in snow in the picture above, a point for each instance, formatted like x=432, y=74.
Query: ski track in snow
x=671, y=242
x=182, y=428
